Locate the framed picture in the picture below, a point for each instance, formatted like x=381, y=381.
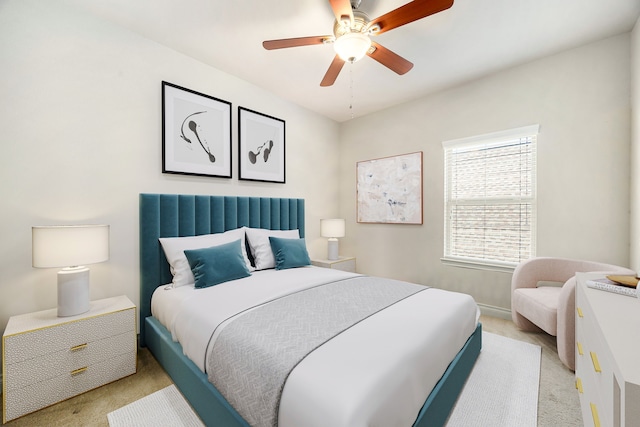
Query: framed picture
x=261, y=147
x=389, y=190
x=196, y=133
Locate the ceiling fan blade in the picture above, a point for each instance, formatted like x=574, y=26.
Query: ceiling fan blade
x=333, y=71
x=342, y=10
x=295, y=42
x=410, y=12
x=391, y=60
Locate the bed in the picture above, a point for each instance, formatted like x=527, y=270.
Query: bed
x=169, y=216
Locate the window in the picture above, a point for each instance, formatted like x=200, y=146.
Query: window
x=490, y=199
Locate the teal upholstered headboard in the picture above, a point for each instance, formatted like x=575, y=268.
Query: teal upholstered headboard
x=178, y=215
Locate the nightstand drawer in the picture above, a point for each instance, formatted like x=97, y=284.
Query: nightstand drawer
x=20, y=375
x=38, y=342
x=37, y=396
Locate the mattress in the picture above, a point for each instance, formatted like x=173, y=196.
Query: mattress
x=377, y=373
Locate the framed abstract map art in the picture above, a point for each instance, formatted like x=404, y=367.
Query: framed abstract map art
x=389, y=190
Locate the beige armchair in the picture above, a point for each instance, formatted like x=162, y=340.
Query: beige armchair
x=551, y=308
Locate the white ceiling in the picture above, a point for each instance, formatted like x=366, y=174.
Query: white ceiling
x=469, y=40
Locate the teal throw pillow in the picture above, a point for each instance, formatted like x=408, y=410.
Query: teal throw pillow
x=289, y=253
x=217, y=264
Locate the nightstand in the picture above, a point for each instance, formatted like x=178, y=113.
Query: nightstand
x=47, y=359
x=342, y=263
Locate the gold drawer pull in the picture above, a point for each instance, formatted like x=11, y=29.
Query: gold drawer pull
x=79, y=347
x=580, y=351
x=596, y=363
x=579, y=312
x=594, y=414
x=579, y=385
x=78, y=371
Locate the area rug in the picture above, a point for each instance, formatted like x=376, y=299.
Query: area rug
x=502, y=390
x=165, y=407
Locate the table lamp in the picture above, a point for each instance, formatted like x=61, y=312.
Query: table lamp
x=71, y=247
x=332, y=228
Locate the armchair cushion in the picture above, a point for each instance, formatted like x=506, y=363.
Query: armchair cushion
x=540, y=304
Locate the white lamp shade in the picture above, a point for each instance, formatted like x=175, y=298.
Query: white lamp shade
x=69, y=245
x=352, y=46
x=332, y=227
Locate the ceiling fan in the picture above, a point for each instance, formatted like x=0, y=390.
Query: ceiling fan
x=352, y=30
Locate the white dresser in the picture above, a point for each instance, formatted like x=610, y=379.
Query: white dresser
x=47, y=359
x=607, y=356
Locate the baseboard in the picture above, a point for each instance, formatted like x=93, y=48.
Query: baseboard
x=499, y=312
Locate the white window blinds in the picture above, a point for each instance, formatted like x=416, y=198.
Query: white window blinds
x=490, y=198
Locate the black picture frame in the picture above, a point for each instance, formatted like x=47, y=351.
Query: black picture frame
x=196, y=133
x=261, y=147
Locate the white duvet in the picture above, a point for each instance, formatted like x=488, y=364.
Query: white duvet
x=377, y=373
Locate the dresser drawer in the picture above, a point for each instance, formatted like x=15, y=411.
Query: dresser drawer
x=39, y=395
x=62, y=337
x=22, y=374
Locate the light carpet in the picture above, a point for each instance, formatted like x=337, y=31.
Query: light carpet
x=502, y=390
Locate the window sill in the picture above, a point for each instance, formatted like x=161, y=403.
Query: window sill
x=478, y=264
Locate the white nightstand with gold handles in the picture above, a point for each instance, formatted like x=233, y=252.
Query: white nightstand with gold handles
x=47, y=359
x=342, y=263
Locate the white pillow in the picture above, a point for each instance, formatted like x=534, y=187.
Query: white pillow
x=258, y=239
x=174, y=248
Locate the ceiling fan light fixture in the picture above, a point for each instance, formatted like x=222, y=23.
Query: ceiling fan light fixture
x=352, y=46
x=373, y=29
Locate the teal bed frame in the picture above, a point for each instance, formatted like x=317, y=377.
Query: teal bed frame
x=176, y=215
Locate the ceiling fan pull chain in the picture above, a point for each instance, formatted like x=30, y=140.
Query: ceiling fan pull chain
x=351, y=88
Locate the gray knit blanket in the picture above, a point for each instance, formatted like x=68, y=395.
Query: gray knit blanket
x=254, y=353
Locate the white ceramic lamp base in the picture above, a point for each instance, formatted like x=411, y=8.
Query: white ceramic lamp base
x=73, y=291
x=332, y=247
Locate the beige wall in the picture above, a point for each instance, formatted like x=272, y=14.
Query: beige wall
x=80, y=104
x=635, y=148
x=580, y=99
x=80, y=124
